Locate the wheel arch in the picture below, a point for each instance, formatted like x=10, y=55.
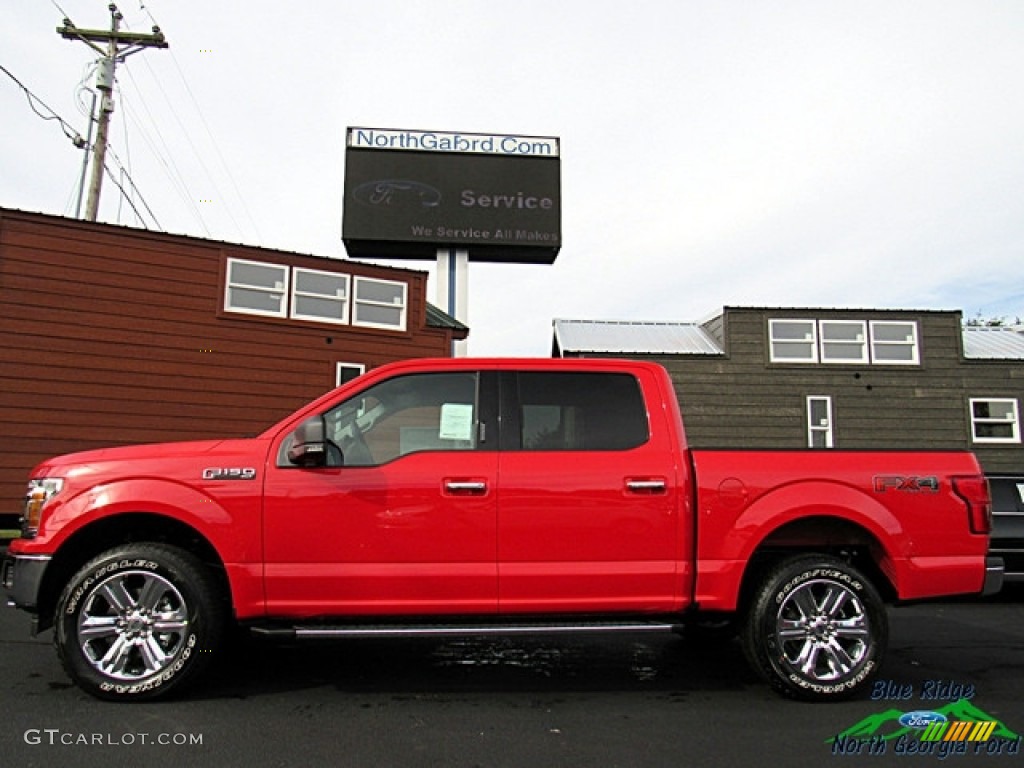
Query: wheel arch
x=823, y=534
x=124, y=528
x=737, y=534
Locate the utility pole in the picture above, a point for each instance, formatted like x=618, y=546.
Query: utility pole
x=132, y=42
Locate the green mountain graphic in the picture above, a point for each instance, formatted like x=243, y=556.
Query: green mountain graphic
x=887, y=724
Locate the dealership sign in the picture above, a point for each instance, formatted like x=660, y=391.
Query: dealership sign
x=410, y=193
x=435, y=141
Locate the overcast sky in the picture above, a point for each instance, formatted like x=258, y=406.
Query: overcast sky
x=863, y=153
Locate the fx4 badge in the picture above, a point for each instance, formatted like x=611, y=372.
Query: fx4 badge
x=229, y=473
x=911, y=483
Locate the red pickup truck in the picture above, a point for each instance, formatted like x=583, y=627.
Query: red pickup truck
x=489, y=496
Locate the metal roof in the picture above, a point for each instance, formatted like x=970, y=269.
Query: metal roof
x=438, y=318
x=634, y=337
x=993, y=343
x=627, y=337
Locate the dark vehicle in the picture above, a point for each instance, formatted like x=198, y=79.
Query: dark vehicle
x=1008, y=523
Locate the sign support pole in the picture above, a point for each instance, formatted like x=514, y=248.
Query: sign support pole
x=453, y=289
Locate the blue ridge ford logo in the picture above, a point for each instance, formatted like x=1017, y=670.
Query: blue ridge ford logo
x=921, y=718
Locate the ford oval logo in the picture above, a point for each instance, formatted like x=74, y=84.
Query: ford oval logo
x=921, y=719
x=397, y=193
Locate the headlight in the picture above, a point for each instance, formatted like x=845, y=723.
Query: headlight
x=40, y=491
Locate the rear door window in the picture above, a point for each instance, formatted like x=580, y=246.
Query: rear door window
x=576, y=411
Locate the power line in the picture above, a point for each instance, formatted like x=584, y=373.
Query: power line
x=119, y=44
x=216, y=147
x=209, y=133
x=138, y=192
x=162, y=152
x=70, y=132
x=127, y=154
x=127, y=199
x=77, y=139
x=195, y=150
x=150, y=130
x=84, y=109
x=81, y=143
x=55, y=5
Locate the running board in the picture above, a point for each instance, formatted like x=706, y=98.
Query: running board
x=317, y=632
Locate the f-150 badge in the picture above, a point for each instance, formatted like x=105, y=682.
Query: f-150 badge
x=229, y=473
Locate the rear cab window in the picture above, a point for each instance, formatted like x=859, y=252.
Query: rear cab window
x=574, y=411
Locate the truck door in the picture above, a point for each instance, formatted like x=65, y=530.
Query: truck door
x=588, y=503
x=403, y=518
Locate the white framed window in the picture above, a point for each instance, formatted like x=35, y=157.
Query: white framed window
x=345, y=372
x=994, y=420
x=277, y=290
x=320, y=296
x=819, y=422
x=379, y=303
x=843, y=341
x=793, y=341
x=256, y=288
x=894, y=342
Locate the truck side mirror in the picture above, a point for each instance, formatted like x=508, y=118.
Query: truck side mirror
x=309, y=448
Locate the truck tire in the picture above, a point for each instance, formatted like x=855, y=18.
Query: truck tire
x=816, y=629
x=138, y=622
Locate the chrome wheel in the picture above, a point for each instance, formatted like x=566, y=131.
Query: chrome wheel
x=140, y=621
x=816, y=628
x=132, y=625
x=823, y=631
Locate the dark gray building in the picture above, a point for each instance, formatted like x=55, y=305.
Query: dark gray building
x=831, y=378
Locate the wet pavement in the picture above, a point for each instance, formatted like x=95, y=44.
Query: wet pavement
x=594, y=700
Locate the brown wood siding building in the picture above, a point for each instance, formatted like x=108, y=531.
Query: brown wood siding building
x=114, y=336
x=1000, y=379
x=744, y=399
x=738, y=394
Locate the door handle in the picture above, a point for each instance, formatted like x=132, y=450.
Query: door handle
x=652, y=486
x=466, y=487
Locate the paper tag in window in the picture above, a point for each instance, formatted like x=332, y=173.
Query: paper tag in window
x=456, y=421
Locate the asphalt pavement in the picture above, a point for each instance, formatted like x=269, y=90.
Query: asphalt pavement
x=617, y=700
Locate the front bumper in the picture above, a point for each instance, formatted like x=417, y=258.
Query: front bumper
x=22, y=579
x=994, y=572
